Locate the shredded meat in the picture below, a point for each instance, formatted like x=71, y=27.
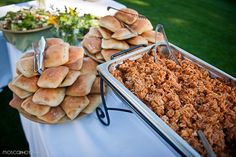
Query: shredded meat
x=186, y=97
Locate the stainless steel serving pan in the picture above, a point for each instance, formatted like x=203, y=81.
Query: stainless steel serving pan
x=147, y=115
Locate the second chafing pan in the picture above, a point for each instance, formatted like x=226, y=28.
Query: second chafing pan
x=146, y=114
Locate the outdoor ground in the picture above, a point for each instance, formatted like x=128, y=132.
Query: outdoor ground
x=206, y=28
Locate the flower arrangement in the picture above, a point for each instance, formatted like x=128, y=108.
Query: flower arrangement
x=70, y=26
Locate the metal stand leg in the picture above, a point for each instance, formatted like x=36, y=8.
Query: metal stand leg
x=103, y=116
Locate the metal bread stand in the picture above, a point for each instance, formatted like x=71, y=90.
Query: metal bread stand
x=103, y=114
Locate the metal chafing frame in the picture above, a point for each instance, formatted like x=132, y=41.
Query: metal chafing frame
x=142, y=110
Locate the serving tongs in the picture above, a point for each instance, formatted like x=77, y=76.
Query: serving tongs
x=125, y=25
x=39, y=48
x=159, y=28
x=139, y=15
x=205, y=144
x=168, y=53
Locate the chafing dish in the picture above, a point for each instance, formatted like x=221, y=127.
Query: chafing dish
x=143, y=111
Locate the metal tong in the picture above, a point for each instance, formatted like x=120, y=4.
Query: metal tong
x=169, y=54
x=127, y=26
x=39, y=48
x=166, y=52
x=206, y=144
x=139, y=16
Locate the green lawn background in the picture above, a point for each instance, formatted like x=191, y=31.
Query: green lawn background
x=206, y=28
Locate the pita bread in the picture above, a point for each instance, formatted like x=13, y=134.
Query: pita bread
x=56, y=55
x=16, y=102
x=53, y=77
x=94, y=101
x=28, y=54
x=127, y=15
x=71, y=77
x=53, y=116
x=77, y=65
x=123, y=34
x=109, y=22
x=92, y=44
x=141, y=25
x=150, y=36
x=137, y=40
x=73, y=105
x=114, y=44
x=93, y=32
x=18, y=91
x=49, y=96
x=96, y=87
x=25, y=83
x=82, y=85
x=89, y=66
x=106, y=34
x=107, y=53
x=26, y=66
x=34, y=109
x=54, y=41
x=75, y=53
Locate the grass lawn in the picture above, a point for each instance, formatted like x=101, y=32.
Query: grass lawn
x=7, y=2
x=206, y=28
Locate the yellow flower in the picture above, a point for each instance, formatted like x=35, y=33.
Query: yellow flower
x=53, y=20
x=72, y=11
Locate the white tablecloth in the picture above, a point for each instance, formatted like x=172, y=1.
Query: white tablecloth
x=126, y=136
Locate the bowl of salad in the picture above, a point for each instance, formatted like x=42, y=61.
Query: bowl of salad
x=26, y=26
x=25, y=21
x=23, y=27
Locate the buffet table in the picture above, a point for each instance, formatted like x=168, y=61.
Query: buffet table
x=85, y=136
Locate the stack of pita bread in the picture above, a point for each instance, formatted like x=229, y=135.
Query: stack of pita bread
x=119, y=32
x=68, y=87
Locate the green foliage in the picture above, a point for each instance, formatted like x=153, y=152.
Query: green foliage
x=70, y=26
x=85, y=23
